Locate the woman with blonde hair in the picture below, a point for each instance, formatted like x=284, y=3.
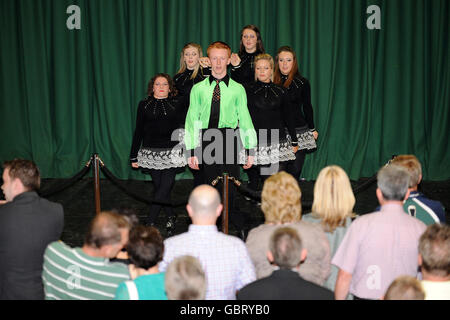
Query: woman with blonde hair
x=190, y=71
x=188, y=75
x=270, y=113
x=281, y=204
x=332, y=209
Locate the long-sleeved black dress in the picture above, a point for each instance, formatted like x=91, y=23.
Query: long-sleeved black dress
x=156, y=143
x=271, y=113
x=299, y=92
x=244, y=73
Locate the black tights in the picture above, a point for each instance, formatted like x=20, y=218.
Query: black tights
x=294, y=167
x=163, y=182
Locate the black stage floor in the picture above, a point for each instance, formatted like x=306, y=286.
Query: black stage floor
x=79, y=202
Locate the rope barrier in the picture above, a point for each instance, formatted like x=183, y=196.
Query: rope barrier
x=138, y=197
x=255, y=195
x=68, y=183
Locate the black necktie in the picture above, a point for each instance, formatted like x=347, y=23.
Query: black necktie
x=215, y=107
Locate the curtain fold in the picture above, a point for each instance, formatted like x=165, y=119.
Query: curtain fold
x=65, y=94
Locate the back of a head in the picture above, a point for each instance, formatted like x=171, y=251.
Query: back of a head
x=26, y=171
x=145, y=247
x=405, y=288
x=204, y=201
x=185, y=279
x=434, y=247
x=280, y=199
x=393, y=182
x=333, y=197
x=129, y=214
x=286, y=247
x=105, y=229
x=412, y=164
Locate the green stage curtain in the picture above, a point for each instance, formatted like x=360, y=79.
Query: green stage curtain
x=68, y=93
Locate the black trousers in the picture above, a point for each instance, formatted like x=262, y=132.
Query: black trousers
x=223, y=164
x=294, y=167
x=163, y=182
x=198, y=176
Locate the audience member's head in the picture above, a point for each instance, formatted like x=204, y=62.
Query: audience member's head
x=393, y=182
x=333, y=198
x=412, y=165
x=204, y=205
x=185, y=279
x=286, y=249
x=145, y=247
x=280, y=199
x=434, y=253
x=19, y=176
x=107, y=234
x=405, y=288
x=129, y=214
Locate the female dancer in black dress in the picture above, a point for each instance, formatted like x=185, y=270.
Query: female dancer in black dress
x=155, y=147
x=242, y=64
x=271, y=114
x=299, y=91
x=190, y=73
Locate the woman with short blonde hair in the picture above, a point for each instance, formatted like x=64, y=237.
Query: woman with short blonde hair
x=270, y=111
x=281, y=204
x=281, y=199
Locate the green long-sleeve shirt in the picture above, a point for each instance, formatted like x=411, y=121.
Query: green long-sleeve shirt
x=233, y=112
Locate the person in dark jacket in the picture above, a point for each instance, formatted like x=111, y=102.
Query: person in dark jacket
x=287, y=253
x=28, y=223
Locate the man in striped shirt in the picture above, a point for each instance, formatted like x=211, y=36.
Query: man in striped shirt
x=224, y=258
x=86, y=273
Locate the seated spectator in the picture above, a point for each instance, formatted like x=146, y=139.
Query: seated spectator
x=145, y=248
x=405, y=288
x=224, y=258
x=132, y=218
x=417, y=205
x=332, y=208
x=434, y=260
x=280, y=202
x=287, y=253
x=86, y=273
x=28, y=223
x=185, y=279
x=380, y=246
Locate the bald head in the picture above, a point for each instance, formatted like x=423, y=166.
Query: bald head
x=204, y=204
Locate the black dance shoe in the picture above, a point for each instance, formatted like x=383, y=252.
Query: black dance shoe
x=170, y=225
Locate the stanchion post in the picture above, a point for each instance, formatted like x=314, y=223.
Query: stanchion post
x=225, y=204
x=97, y=184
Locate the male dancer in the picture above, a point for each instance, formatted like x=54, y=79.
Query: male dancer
x=218, y=106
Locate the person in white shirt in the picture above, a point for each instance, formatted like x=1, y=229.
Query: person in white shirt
x=224, y=258
x=434, y=260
